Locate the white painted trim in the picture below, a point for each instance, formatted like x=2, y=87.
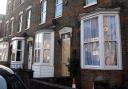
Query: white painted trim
x=18, y=38
x=65, y=30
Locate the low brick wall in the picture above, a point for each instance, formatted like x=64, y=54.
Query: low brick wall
x=34, y=84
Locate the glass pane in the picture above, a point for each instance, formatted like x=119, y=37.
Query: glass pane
x=43, y=11
x=58, y=10
x=58, y=1
x=92, y=54
x=46, y=56
x=19, y=45
x=37, y=55
x=87, y=30
x=47, y=41
x=43, y=17
x=109, y=25
x=46, y=46
x=19, y=56
x=110, y=53
x=91, y=30
x=90, y=1
x=94, y=28
x=28, y=18
x=39, y=40
x=36, y=41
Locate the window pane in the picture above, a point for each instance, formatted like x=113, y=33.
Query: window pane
x=109, y=25
x=91, y=30
x=58, y=9
x=36, y=41
x=46, y=56
x=40, y=40
x=110, y=53
x=28, y=18
x=46, y=46
x=90, y=1
x=58, y=1
x=92, y=54
x=37, y=55
x=43, y=11
x=19, y=45
x=47, y=41
x=20, y=23
x=19, y=56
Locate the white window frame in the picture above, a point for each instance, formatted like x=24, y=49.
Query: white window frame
x=22, y=49
x=28, y=18
x=7, y=28
x=20, y=22
x=44, y=11
x=12, y=25
x=41, y=49
x=89, y=4
x=57, y=4
x=100, y=15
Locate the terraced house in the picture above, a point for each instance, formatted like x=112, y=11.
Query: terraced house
x=44, y=35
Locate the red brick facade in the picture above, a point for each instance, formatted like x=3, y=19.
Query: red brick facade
x=72, y=9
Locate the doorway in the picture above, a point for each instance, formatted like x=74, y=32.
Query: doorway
x=65, y=54
x=30, y=55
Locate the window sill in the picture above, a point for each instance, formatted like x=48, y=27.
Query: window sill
x=41, y=23
x=42, y=64
x=27, y=28
x=102, y=68
x=91, y=4
x=19, y=32
x=56, y=17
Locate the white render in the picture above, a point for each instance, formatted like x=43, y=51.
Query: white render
x=41, y=70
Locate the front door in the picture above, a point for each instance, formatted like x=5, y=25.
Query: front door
x=30, y=56
x=65, y=54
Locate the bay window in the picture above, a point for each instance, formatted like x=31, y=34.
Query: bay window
x=100, y=41
x=44, y=47
x=17, y=52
